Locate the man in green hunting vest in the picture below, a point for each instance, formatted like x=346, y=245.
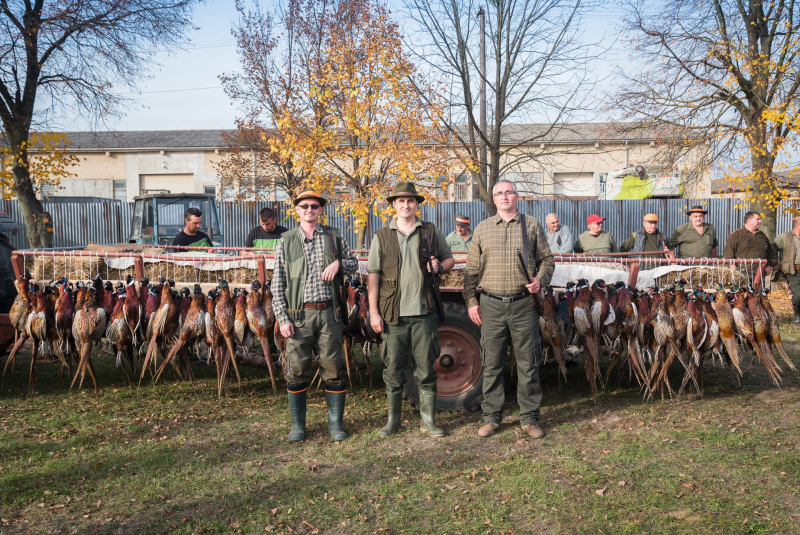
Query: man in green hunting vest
x=307, y=303
x=402, y=303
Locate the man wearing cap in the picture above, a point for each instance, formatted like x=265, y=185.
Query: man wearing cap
x=559, y=237
x=402, y=303
x=506, y=250
x=461, y=237
x=749, y=242
x=646, y=239
x=309, y=259
x=596, y=240
x=788, y=244
x=695, y=239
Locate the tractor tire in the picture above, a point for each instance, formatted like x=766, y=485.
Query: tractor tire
x=458, y=368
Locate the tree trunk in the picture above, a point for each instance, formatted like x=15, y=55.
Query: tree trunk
x=38, y=223
x=361, y=237
x=764, y=197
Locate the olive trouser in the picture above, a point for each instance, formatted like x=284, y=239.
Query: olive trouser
x=417, y=336
x=794, y=286
x=519, y=323
x=321, y=332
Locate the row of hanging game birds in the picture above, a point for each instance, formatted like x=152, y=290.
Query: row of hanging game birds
x=649, y=330
x=66, y=321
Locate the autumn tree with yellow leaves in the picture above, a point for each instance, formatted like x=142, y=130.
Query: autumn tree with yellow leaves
x=339, y=106
x=48, y=163
x=722, y=78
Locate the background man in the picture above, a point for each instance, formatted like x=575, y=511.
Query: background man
x=749, y=242
x=596, y=240
x=788, y=244
x=695, y=239
x=506, y=310
x=461, y=238
x=267, y=234
x=402, y=303
x=646, y=239
x=308, y=310
x=191, y=235
x=559, y=237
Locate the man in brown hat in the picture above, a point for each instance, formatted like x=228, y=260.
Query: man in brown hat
x=309, y=260
x=402, y=303
x=695, y=239
x=646, y=239
x=460, y=238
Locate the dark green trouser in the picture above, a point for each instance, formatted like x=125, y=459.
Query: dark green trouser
x=321, y=332
x=518, y=322
x=794, y=286
x=417, y=336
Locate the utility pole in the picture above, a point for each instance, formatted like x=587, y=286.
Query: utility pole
x=482, y=17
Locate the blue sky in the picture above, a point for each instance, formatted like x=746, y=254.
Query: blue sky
x=184, y=91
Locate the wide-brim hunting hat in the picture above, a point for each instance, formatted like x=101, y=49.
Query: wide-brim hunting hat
x=310, y=194
x=405, y=189
x=696, y=210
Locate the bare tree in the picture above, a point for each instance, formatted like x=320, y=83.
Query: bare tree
x=722, y=76
x=538, y=73
x=71, y=56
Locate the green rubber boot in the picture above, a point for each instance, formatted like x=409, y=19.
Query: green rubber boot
x=427, y=406
x=394, y=402
x=297, y=408
x=335, y=401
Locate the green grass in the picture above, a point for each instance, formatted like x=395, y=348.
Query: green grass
x=171, y=458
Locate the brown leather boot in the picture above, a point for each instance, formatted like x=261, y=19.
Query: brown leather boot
x=488, y=429
x=533, y=430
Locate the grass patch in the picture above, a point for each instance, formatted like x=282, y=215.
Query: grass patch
x=170, y=458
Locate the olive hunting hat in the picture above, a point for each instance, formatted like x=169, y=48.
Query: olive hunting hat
x=310, y=194
x=696, y=210
x=405, y=189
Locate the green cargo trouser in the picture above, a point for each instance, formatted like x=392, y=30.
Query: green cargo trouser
x=794, y=286
x=519, y=322
x=417, y=336
x=319, y=331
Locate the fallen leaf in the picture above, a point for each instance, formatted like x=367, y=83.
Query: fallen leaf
x=621, y=483
x=601, y=492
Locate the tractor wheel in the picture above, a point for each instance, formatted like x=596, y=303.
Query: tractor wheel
x=458, y=368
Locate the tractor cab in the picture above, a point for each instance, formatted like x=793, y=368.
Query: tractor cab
x=158, y=218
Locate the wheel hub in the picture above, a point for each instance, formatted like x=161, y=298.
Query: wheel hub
x=458, y=367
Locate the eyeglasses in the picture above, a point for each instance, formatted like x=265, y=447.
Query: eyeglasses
x=505, y=193
x=308, y=206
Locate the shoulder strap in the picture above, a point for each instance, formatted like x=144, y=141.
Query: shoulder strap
x=426, y=243
x=334, y=251
x=524, y=239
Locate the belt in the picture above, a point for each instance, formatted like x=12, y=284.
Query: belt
x=322, y=305
x=507, y=298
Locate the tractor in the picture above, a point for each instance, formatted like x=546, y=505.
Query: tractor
x=158, y=218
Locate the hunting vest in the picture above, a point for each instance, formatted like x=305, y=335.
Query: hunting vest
x=787, y=254
x=641, y=238
x=389, y=295
x=295, y=261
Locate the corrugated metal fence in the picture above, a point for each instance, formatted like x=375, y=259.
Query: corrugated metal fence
x=77, y=224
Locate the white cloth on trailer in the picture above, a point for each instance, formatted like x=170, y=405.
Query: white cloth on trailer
x=565, y=273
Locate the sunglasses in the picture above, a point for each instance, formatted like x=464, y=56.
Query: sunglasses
x=308, y=206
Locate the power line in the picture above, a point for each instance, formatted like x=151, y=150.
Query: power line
x=179, y=90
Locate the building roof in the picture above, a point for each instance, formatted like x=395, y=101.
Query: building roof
x=214, y=139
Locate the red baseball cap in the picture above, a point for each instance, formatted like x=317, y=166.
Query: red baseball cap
x=594, y=218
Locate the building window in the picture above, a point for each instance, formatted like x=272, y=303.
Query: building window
x=120, y=190
x=210, y=190
x=462, y=189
